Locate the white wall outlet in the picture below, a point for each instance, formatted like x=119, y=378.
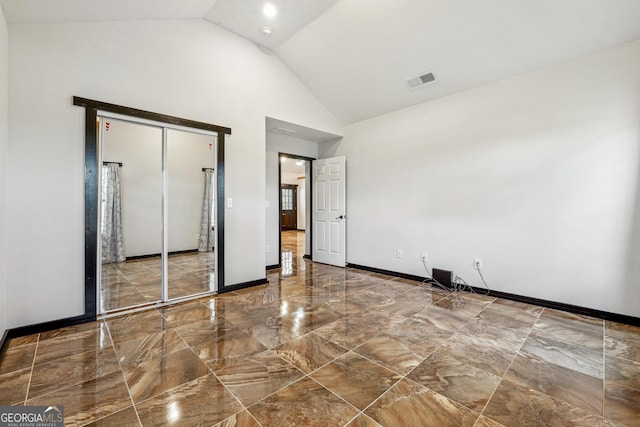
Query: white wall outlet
x=477, y=264
x=266, y=204
x=424, y=256
x=399, y=253
x=267, y=248
x=229, y=203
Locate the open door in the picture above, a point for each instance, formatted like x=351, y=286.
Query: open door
x=329, y=211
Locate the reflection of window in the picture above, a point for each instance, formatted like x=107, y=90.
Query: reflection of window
x=287, y=264
x=287, y=199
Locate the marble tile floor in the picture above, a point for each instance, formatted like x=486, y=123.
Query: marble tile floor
x=138, y=281
x=327, y=346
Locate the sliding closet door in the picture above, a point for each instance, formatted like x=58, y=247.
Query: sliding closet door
x=190, y=214
x=157, y=227
x=130, y=221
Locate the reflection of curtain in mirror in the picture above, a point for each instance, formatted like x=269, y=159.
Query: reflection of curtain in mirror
x=206, y=222
x=112, y=240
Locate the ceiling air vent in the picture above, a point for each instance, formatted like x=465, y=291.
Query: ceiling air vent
x=285, y=131
x=415, y=82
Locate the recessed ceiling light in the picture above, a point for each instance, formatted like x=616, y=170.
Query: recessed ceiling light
x=299, y=163
x=266, y=31
x=269, y=10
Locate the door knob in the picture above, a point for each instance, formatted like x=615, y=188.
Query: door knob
x=340, y=217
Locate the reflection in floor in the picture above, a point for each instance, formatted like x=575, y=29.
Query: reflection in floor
x=135, y=282
x=329, y=347
x=292, y=252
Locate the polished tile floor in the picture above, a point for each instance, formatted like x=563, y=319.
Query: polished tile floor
x=328, y=346
x=136, y=282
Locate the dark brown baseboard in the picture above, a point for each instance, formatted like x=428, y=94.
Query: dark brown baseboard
x=4, y=343
x=387, y=272
x=590, y=312
x=605, y=315
x=182, y=252
x=41, y=327
x=243, y=285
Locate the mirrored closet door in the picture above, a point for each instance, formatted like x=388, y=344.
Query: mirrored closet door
x=156, y=217
x=191, y=213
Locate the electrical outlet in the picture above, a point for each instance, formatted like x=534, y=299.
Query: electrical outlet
x=399, y=253
x=477, y=264
x=267, y=248
x=424, y=256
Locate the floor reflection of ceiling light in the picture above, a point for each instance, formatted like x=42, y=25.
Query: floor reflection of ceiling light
x=173, y=412
x=212, y=307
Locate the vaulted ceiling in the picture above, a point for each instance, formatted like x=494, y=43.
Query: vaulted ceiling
x=355, y=55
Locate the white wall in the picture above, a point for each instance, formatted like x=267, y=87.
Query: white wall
x=190, y=69
x=278, y=143
x=537, y=176
x=302, y=204
x=4, y=68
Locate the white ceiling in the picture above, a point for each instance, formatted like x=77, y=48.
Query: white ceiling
x=355, y=57
x=355, y=54
x=245, y=17
x=29, y=11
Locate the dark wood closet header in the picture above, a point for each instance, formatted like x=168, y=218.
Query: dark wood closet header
x=148, y=115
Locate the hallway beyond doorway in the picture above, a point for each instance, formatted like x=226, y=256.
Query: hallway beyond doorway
x=292, y=255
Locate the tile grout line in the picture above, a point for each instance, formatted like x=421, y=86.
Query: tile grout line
x=544, y=334
x=308, y=375
x=242, y=405
x=33, y=364
x=124, y=378
x=441, y=345
x=510, y=363
x=401, y=376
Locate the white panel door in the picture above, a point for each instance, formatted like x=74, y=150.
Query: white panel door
x=329, y=210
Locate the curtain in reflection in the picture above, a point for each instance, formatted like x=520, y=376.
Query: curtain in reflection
x=112, y=239
x=206, y=222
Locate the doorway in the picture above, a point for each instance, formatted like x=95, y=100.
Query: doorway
x=294, y=211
